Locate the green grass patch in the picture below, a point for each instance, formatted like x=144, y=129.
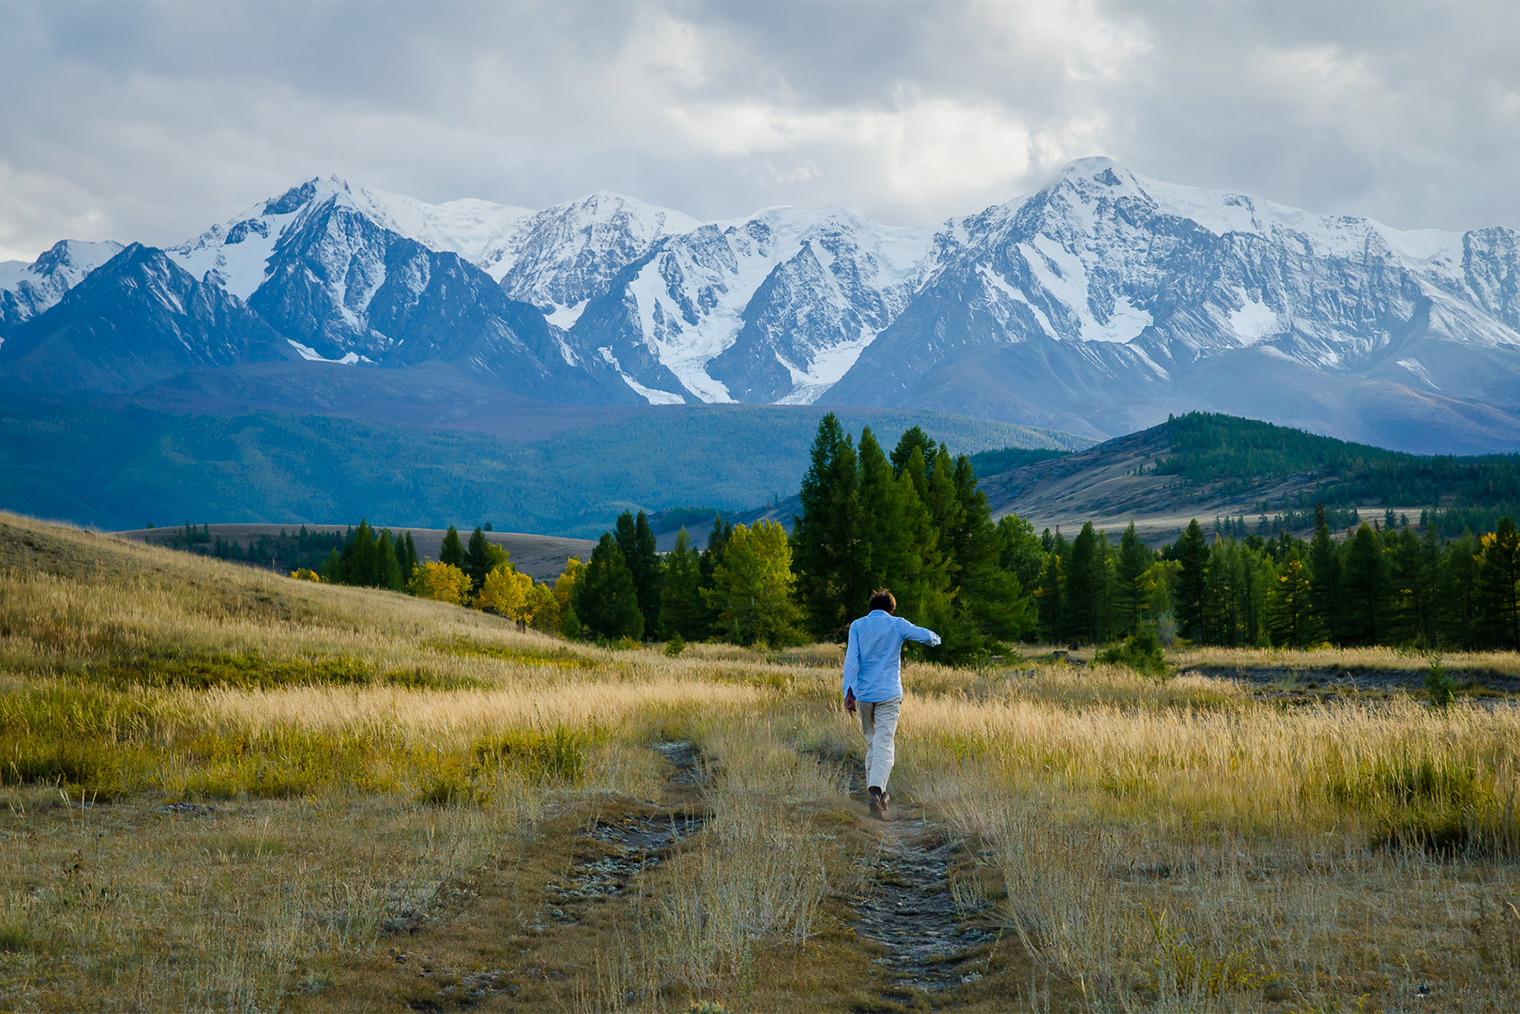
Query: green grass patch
x=1437, y=804
x=252, y=671
x=540, y=755
x=562, y=657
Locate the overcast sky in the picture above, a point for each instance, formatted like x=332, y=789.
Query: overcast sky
x=150, y=122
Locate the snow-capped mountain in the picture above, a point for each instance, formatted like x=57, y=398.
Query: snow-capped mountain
x=136, y=319
x=28, y=289
x=1098, y=305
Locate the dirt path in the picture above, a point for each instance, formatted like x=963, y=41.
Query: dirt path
x=908, y=908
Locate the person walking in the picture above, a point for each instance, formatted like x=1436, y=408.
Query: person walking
x=872, y=685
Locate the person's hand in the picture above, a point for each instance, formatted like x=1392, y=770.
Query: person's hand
x=849, y=701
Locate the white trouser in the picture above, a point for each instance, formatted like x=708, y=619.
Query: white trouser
x=878, y=721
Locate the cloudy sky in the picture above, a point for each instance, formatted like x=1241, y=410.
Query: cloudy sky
x=150, y=122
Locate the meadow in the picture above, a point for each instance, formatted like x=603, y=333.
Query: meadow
x=229, y=790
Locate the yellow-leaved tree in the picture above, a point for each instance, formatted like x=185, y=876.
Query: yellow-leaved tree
x=442, y=581
x=752, y=587
x=564, y=590
x=505, y=592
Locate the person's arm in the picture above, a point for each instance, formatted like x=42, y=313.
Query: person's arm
x=851, y=669
x=913, y=632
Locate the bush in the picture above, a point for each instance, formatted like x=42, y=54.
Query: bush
x=676, y=645
x=1141, y=651
x=1440, y=686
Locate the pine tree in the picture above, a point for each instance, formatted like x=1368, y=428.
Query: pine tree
x=1131, y=594
x=1050, y=595
x=1020, y=551
x=636, y=540
x=1292, y=616
x=1415, y=564
x=361, y=558
x=606, y=601
x=1080, y=610
x=480, y=558
x=990, y=596
x=1459, y=593
x=682, y=610
x=911, y=440
x=387, y=567
x=1192, y=553
x=832, y=576
x=409, y=564
x=452, y=550
x=1325, y=578
x=1365, y=588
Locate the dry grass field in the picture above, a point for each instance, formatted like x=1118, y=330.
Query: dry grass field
x=226, y=790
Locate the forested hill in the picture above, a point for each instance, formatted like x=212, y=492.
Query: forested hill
x=1206, y=465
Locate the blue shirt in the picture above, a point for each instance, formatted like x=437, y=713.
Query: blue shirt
x=873, y=661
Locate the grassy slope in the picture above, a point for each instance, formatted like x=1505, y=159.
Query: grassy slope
x=125, y=468
x=1163, y=846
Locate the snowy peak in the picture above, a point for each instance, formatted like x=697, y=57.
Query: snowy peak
x=560, y=258
x=29, y=289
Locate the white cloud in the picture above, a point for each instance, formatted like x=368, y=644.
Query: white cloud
x=149, y=122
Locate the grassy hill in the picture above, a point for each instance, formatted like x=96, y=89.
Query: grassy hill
x=1202, y=465
x=127, y=467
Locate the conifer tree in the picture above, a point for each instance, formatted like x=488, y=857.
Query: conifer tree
x=361, y=558
x=481, y=557
x=1051, y=596
x=387, y=567
x=1192, y=553
x=682, y=610
x=1325, y=577
x=1020, y=551
x=752, y=588
x=605, y=600
x=1080, y=611
x=832, y=576
x=1131, y=591
x=1499, y=584
x=409, y=564
x=637, y=542
x=1292, y=617
x=911, y=440
x=452, y=550
x=991, y=596
x=1365, y=587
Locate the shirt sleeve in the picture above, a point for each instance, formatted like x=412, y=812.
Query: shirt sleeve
x=851, y=663
x=912, y=632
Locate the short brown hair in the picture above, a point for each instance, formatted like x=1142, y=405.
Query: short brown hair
x=882, y=599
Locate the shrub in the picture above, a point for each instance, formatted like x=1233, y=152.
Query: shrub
x=1141, y=651
x=1440, y=686
x=676, y=645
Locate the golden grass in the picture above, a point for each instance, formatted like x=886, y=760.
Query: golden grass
x=291, y=779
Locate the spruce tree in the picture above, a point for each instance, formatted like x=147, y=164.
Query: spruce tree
x=480, y=558
x=682, y=610
x=605, y=600
x=452, y=550
x=1131, y=592
x=1291, y=614
x=637, y=542
x=1080, y=610
x=832, y=577
x=1020, y=551
x=1192, y=553
x=361, y=559
x=1365, y=587
x=1325, y=578
x=1051, y=596
x=990, y=595
x=409, y=564
x=911, y=440
x=387, y=567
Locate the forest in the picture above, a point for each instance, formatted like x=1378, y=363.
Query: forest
x=914, y=520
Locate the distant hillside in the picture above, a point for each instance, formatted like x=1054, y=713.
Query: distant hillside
x=124, y=467
x=1202, y=465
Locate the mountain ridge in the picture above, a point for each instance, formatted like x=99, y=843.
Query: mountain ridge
x=1097, y=305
